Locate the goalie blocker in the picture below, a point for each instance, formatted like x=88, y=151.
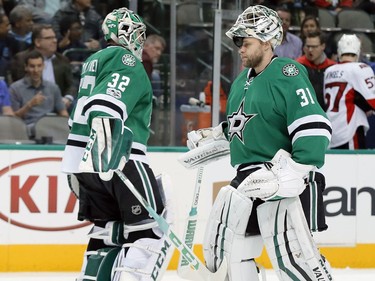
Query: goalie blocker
x=206, y=146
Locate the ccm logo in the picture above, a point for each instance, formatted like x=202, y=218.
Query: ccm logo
x=35, y=195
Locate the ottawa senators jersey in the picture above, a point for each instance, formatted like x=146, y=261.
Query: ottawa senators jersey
x=276, y=109
x=113, y=83
x=342, y=82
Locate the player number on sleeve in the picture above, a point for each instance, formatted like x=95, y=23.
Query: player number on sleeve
x=306, y=97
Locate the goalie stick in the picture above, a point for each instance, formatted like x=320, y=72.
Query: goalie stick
x=202, y=271
x=183, y=269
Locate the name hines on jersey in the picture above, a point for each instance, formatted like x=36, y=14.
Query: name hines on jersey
x=90, y=66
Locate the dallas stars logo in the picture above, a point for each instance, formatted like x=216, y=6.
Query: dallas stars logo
x=290, y=70
x=237, y=121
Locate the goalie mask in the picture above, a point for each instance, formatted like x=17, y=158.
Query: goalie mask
x=349, y=44
x=258, y=22
x=127, y=29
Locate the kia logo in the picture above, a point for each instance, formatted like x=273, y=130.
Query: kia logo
x=36, y=196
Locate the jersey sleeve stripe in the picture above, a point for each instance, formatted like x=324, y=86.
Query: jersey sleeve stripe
x=308, y=119
x=106, y=104
x=311, y=133
x=76, y=143
x=311, y=126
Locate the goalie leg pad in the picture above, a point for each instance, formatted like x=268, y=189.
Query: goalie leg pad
x=98, y=264
x=145, y=260
x=225, y=236
x=290, y=246
x=112, y=234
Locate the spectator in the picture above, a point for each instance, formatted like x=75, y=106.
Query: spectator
x=52, y=6
x=152, y=50
x=311, y=24
x=21, y=21
x=90, y=20
x=367, y=6
x=335, y=6
x=350, y=95
x=48, y=7
x=5, y=105
x=71, y=30
x=32, y=97
x=291, y=45
x=316, y=62
x=37, y=8
x=6, y=42
x=57, y=67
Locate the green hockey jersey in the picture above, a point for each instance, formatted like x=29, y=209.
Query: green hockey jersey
x=276, y=109
x=113, y=83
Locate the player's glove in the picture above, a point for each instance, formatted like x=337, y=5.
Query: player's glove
x=108, y=148
x=205, y=136
x=206, y=145
x=283, y=178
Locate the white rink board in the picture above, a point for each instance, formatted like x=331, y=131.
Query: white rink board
x=35, y=208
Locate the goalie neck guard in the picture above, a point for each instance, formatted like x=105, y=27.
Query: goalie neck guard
x=258, y=22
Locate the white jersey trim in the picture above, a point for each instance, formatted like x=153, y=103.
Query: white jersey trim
x=311, y=132
x=307, y=119
x=106, y=108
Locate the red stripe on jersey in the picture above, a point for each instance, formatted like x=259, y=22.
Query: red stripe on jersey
x=349, y=102
x=372, y=103
x=355, y=141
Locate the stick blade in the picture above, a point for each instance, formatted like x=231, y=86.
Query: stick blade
x=203, y=274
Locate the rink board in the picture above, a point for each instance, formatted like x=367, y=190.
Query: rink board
x=39, y=230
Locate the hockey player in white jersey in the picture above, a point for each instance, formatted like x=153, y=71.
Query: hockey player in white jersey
x=349, y=89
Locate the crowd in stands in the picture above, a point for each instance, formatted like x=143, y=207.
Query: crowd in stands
x=41, y=42
x=44, y=33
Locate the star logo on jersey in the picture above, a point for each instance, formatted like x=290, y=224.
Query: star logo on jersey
x=237, y=121
x=290, y=70
x=128, y=60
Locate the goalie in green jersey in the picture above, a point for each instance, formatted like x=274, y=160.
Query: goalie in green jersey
x=278, y=135
x=109, y=132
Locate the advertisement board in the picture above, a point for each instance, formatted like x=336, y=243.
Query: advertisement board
x=38, y=213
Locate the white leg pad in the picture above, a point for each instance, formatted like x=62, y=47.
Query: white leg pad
x=146, y=260
x=290, y=246
x=225, y=236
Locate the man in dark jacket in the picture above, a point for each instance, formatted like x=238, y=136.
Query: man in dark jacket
x=316, y=62
x=57, y=68
x=90, y=19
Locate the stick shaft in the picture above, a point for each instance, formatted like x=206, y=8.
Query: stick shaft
x=185, y=251
x=191, y=224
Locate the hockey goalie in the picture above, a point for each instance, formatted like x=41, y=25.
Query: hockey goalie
x=277, y=135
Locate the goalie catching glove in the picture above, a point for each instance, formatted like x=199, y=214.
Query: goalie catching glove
x=108, y=148
x=283, y=178
x=205, y=145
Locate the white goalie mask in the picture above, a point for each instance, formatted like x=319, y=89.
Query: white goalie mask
x=349, y=44
x=258, y=22
x=127, y=29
